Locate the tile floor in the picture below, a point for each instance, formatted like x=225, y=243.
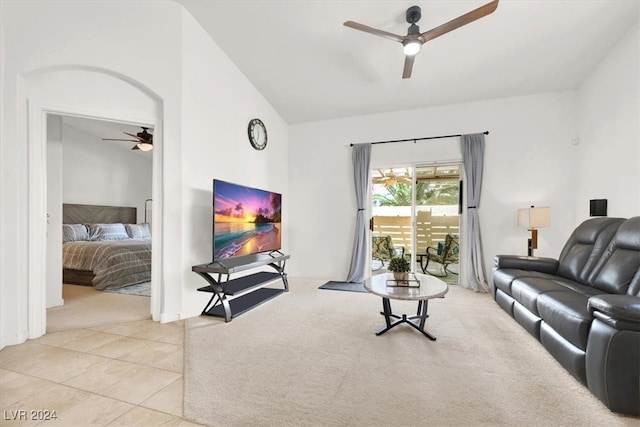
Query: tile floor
x=126, y=374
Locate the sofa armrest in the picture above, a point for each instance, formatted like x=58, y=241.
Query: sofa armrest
x=617, y=310
x=543, y=265
x=613, y=352
x=621, y=312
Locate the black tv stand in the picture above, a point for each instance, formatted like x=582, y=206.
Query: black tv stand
x=246, y=292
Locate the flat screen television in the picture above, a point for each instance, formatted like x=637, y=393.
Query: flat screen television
x=246, y=220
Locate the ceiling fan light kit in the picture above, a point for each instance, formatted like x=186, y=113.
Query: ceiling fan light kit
x=144, y=146
x=411, y=47
x=413, y=41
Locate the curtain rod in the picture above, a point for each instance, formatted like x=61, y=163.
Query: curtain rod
x=486, y=132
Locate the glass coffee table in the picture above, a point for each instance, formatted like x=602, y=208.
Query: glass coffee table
x=429, y=287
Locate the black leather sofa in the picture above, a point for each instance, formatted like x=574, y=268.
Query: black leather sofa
x=584, y=307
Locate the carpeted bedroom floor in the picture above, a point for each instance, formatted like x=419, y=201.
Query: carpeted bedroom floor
x=310, y=358
x=85, y=307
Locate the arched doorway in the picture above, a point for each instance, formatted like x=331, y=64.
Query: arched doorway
x=91, y=93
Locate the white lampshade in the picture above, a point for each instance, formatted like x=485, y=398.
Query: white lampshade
x=144, y=146
x=534, y=217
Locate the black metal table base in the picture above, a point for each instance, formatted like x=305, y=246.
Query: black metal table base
x=247, y=291
x=422, y=315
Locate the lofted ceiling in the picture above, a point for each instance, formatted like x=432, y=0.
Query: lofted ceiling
x=310, y=67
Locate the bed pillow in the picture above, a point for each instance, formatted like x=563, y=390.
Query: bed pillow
x=138, y=231
x=74, y=232
x=108, y=232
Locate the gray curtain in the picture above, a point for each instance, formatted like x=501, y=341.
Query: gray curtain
x=473, y=160
x=361, y=157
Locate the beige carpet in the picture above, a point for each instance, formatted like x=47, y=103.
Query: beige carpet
x=85, y=307
x=311, y=358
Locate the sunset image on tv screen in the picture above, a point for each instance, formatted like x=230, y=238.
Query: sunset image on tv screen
x=245, y=220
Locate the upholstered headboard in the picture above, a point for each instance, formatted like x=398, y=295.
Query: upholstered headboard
x=94, y=214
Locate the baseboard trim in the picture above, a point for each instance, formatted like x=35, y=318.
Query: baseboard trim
x=19, y=338
x=169, y=317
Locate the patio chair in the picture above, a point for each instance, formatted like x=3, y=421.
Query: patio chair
x=445, y=254
x=383, y=250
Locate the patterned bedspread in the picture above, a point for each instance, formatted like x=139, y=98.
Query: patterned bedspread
x=115, y=263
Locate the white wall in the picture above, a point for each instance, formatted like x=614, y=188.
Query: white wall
x=77, y=59
x=97, y=172
x=218, y=103
x=609, y=122
x=529, y=159
x=100, y=58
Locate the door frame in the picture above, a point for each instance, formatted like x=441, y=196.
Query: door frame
x=38, y=111
x=461, y=208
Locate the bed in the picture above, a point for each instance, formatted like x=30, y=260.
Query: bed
x=104, y=247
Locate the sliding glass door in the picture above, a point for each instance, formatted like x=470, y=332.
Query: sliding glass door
x=392, y=213
x=437, y=220
x=415, y=214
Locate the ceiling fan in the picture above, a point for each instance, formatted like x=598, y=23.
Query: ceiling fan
x=143, y=140
x=389, y=178
x=413, y=41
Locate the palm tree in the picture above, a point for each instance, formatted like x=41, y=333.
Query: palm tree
x=427, y=193
x=398, y=194
x=442, y=193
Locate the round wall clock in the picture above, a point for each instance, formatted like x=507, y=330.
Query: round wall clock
x=257, y=134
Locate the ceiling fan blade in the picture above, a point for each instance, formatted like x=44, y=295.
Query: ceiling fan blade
x=135, y=147
x=408, y=66
x=127, y=140
x=374, y=31
x=458, y=22
x=137, y=138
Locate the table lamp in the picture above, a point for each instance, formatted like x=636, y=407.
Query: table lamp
x=533, y=218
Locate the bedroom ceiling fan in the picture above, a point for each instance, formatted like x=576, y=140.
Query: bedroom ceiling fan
x=143, y=140
x=413, y=41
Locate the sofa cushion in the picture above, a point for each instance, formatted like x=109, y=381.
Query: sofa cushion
x=566, y=312
x=620, y=262
x=504, y=277
x=634, y=285
x=584, y=290
x=526, y=291
x=585, y=246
